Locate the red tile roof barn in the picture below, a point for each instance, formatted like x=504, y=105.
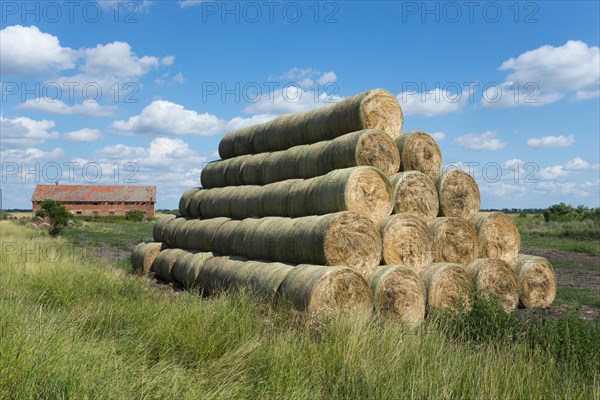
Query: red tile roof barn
x=91, y=193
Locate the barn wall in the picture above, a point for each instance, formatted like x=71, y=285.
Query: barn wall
x=90, y=209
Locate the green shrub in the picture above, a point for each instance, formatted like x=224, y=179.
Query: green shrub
x=134, y=215
x=58, y=214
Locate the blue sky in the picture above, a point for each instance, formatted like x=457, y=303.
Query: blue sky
x=510, y=90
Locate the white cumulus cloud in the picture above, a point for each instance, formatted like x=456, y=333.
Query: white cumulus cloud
x=167, y=118
x=83, y=135
x=554, y=172
x=432, y=103
x=162, y=117
x=439, y=136
x=551, y=141
x=550, y=73
x=28, y=51
x=26, y=132
x=485, y=141
x=86, y=108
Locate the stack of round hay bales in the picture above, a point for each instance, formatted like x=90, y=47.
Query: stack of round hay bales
x=310, y=207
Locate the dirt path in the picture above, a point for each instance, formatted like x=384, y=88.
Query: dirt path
x=585, y=274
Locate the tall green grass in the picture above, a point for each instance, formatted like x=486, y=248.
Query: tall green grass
x=76, y=327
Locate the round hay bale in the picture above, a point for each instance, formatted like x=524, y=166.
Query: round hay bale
x=164, y=262
x=495, y=278
x=351, y=240
x=45, y=226
x=363, y=190
x=448, y=286
x=187, y=268
x=171, y=229
x=181, y=233
x=71, y=224
x=233, y=172
x=213, y=174
x=311, y=160
x=398, y=294
x=406, y=241
x=215, y=202
x=499, y=236
x=201, y=233
x=419, y=152
x=143, y=255
x=226, y=239
x=254, y=167
x=260, y=237
x=321, y=290
x=195, y=202
x=415, y=193
x=342, y=238
x=536, y=280
x=454, y=240
x=185, y=200
x=158, y=230
x=260, y=278
x=273, y=198
x=376, y=109
x=459, y=194
x=37, y=220
x=369, y=147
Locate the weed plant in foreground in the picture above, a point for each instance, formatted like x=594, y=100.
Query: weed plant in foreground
x=82, y=328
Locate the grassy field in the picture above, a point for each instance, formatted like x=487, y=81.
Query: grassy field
x=576, y=236
x=74, y=323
